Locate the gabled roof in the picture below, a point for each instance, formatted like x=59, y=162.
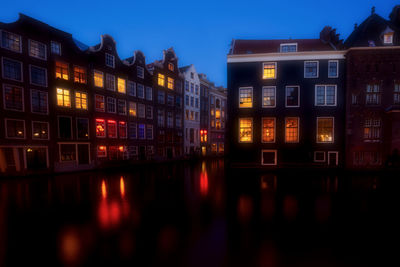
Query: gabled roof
x=185, y=68
x=273, y=46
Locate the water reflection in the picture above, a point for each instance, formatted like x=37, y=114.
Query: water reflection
x=196, y=214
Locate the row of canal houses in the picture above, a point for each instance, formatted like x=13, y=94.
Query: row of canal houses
x=66, y=106
x=317, y=102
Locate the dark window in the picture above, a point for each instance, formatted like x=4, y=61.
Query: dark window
x=12, y=69
x=67, y=152
x=13, y=98
x=82, y=128
x=40, y=130
x=292, y=96
x=15, y=128
x=39, y=101
x=38, y=76
x=64, y=127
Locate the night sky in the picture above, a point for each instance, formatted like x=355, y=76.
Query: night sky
x=199, y=31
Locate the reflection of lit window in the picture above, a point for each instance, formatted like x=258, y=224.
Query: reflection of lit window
x=61, y=70
x=170, y=83
x=245, y=130
x=246, y=97
x=80, y=100
x=269, y=70
x=98, y=78
x=325, y=130
x=121, y=86
x=161, y=79
x=100, y=128
x=292, y=130
x=268, y=130
x=63, y=98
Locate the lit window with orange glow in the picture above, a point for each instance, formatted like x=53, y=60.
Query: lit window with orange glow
x=62, y=70
x=171, y=66
x=101, y=151
x=98, y=78
x=246, y=97
x=269, y=70
x=217, y=114
x=268, y=130
x=132, y=109
x=325, y=130
x=63, y=98
x=79, y=74
x=122, y=129
x=112, y=129
x=121, y=86
x=100, y=128
x=170, y=83
x=99, y=103
x=292, y=130
x=388, y=38
x=161, y=79
x=81, y=100
x=245, y=130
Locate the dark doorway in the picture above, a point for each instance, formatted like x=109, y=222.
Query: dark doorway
x=83, y=154
x=169, y=152
x=36, y=158
x=332, y=158
x=142, y=153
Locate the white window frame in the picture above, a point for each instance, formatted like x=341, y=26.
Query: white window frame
x=126, y=107
x=252, y=131
x=115, y=104
x=325, y=86
x=262, y=97
x=106, y=83
x=392, y=37
x=59, y=45
x=47, y=94
x=113, y=60
x=252, y=96
x=48, y=130
x=269, y=150
x=58, y=126
x=315, y=156
x=151, y=95
x=298, y=96
x=333, y=130
x=2, y=69
x=4, y=98
x=276, y=71
x=310, y=61
x=288, y=44
x=337, y=157
x=337, y=68
x=134, y=88
x=142, y=72
x=29, y=50
x=20, y=41
x=262, y=118
x=6, y=130
x=76, y=125
x=30, y=75
x=298, y=130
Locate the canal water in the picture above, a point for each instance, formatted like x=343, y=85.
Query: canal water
x=199, y=214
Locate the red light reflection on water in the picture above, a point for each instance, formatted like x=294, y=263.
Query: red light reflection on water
x=103, y=189
x=70, y=246
x=245, y=209
x=290, y=207
x=203, y=180
x=122, y=186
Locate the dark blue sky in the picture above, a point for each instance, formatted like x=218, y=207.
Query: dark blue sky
x=199, y=31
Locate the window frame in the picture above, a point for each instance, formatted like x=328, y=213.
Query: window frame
x=87, y=98
x=298, y=130
x=2, y=69
x=105, y=127
x=276, y=70
x=47, y=106
x=102, y=78
x=311, y=61
x=298, y=96
x=4, y=98
x=6, y=130
x=70, y=98
x=104, y=102
x=262, y=96
x=337, y=68
x=325, y=102
x=252, y=130
x=76, y=125
x=141, y=72
x=113, y=60
x=86, y=74
x=333, y=130
x=262, y=157
x=288, y=44
x=30, y=76
x=29, y=50
x=115, y=105
x=315, y=158
x=252, y=96
x=262, y=128
x=55, y=70
x=51, y=47
x=48, y=130
x=1, y=41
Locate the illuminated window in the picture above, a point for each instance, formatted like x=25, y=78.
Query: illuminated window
x=396, y=94
x=372, y=94
x=101, y=151
x=15, y=129
x=132, y=109
x=79, y=74
x=39, y=102
x=333, y=69
x=131, y=86
x=310, y=69
x=67, y=152
x=121, y=107
x=40, y=130
x=171, y=66
x=268, y=130
x=122, y=129
x=268, y=96
x=38, y=75
x=292, y=96
x=12, y=69
x=246, y=97
x=62, y=70
x=140, y=72
x=13, y=97
x=110, y=60
x=217, y=114
x=63, y=98
x=161, y=79
x=269, y=70
x=112, y=129
x=82, y=128
x=11, y=41
x=140, y=90
x=149, y=132
x=111, y=105
x=98, y=78
x=99, y=103
x=325, y=95
x=100, y=128
x=245, y=130
x=286, y=48
x=325, y=130
x=121, y=86
x=55, y=48
x=388, y=38
x=149, y=93
x=292, y=130
x=81, y=100
x=110, y=82
x=372, y=129
x=170, y=83
x=37, y=50
x=149, y=112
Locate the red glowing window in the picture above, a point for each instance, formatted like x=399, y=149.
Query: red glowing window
x=112, y=129
x=122, y=130
x=100, y=128
x=101, y=151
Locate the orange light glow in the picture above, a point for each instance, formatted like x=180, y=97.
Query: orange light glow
x=121, y=149
x=103, y=189
x=100, y=120
x=111, y=121
x=102, y=148
x=122, y=186
x=201, y=131
x=70, y=246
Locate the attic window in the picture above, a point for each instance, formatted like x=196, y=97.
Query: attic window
x=110, y=60
x=171, y=66
x=286, y=48
x=388, y=38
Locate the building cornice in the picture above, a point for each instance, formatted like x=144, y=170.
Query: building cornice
x=313, y=55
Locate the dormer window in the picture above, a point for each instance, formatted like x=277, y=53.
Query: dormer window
x=388, y=38
x=287, y=48
x=171, y=66
x=110, y=60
